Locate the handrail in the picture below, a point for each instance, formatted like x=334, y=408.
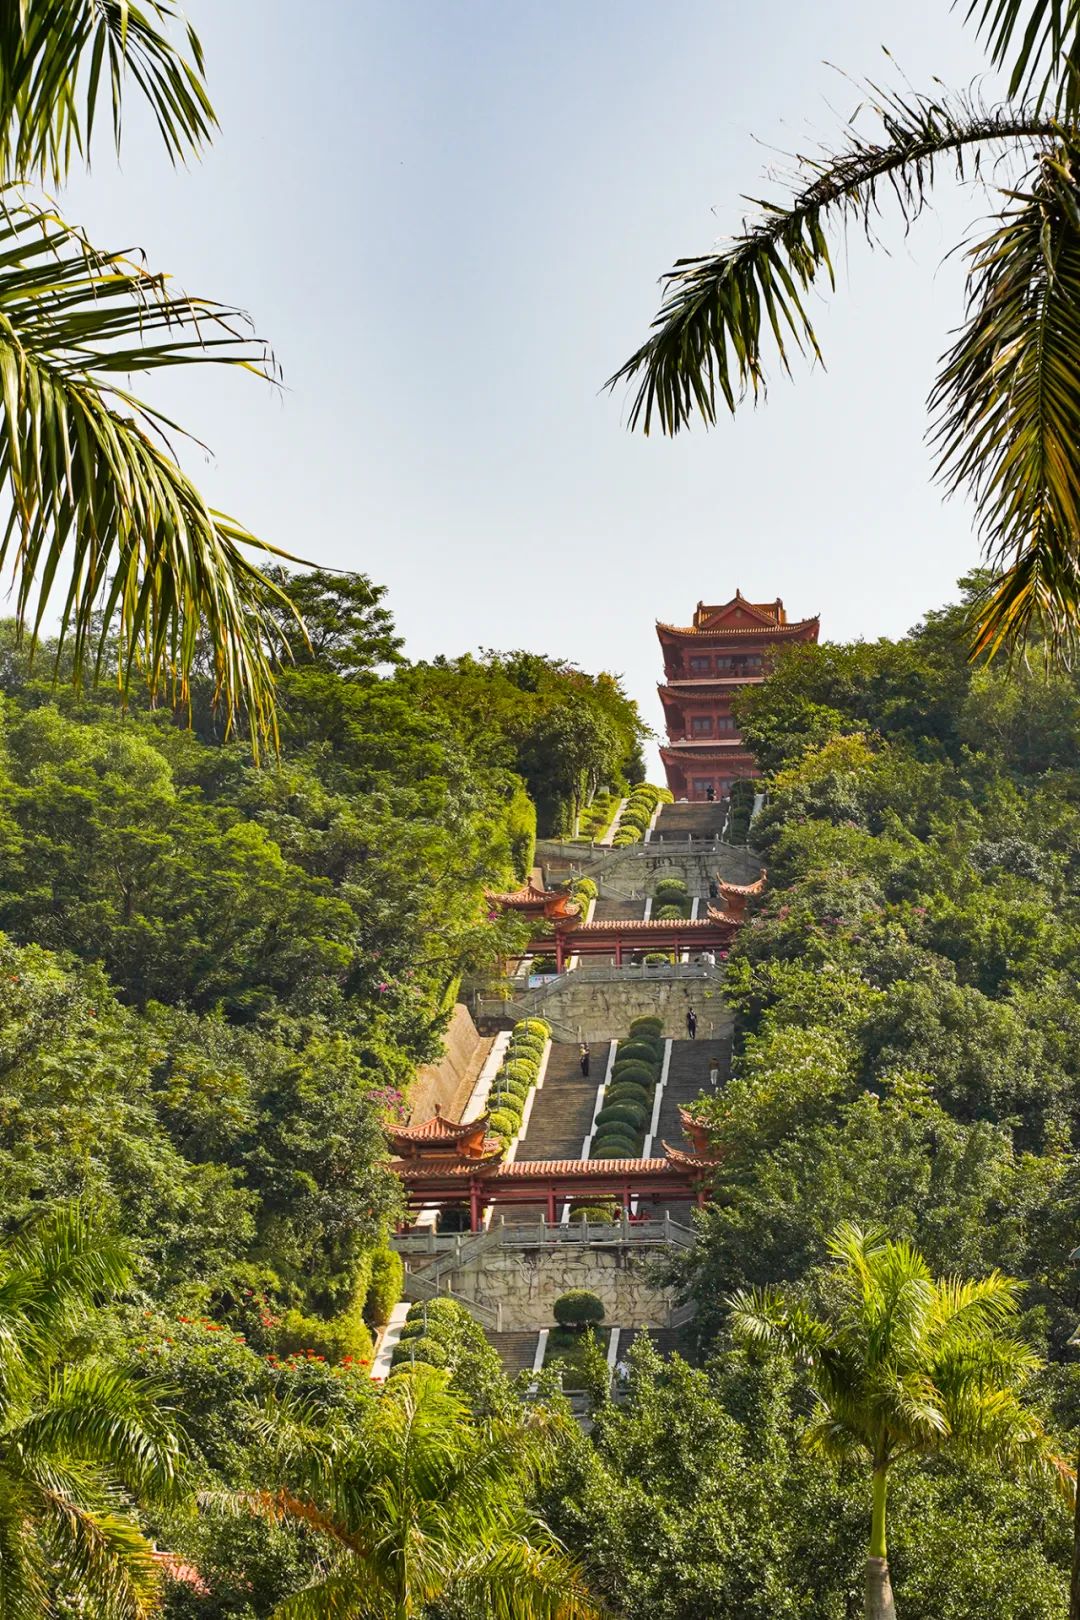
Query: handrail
x=448, y=1251
x=681, y=1314
x=418, y=1288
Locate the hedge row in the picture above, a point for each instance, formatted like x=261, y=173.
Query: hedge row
x=516, y=1077
x=671, y=899
x=637, y=812
x=426, y=1326
x=623, y=1119
x=595, y=819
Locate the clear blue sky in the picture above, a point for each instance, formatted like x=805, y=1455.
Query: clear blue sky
x=449, y=216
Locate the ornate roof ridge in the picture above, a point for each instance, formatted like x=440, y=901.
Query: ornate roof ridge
x=770, y=630
x=437, y=1129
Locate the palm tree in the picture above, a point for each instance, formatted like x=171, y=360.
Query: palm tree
x=99, y=514
x=903, y=1366
x=1005, y=409
x=79, y=1440
x=418, y=1501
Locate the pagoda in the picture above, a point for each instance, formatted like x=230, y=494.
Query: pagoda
x=726, y=648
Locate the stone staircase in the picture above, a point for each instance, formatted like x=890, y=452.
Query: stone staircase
x=563, y=1109
x=618, y=910
x=690, y=821
x=688, y=1074
x=517, y=1351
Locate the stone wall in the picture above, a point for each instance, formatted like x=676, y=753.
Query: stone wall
x=527, y=1282
x=449, y=1082
x=596, y=1009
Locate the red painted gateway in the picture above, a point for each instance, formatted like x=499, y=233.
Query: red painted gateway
x=705, y=664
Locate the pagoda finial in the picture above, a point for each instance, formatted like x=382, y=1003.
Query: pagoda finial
x=438, y=1110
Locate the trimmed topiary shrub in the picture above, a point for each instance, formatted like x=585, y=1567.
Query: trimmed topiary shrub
x=641, y=1047
x=534, y=1026
x=624, y=836
x=618, y=1141
x=504, y=1123
x=578, y=1309
x=647, y=1026
x=600, y=1213
x=431, y=1309
x=642, y=1074
x=509, y=1092
x=412, y=1327
x=384, y=1287
x=519, y=1069
x=622, y=1114
x=421, y=1348
x=526, y=1046
x=675, y=887
x=672, y=913
x=627, y=1091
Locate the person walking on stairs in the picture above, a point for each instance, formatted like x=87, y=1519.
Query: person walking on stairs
x=714, y=1076
x=691, y=1023
x=583, y=1059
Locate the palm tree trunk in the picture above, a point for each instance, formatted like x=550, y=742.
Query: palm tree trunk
x=879, y=1598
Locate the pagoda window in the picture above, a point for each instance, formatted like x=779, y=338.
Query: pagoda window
x=699, y=665
x=701, y=725
x=725, y=663
x=702, y=784
x=725, y=722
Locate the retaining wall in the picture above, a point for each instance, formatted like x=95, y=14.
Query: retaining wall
x=527, y=1282
x=449, y=1082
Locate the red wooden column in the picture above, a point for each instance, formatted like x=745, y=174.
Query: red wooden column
x=551, y=1202
x=474, y=1205
x=559, y=955
x=618, y=952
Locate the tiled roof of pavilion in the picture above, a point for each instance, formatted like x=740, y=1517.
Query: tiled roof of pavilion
x=773, y=631
x=437, y=1129
x=625, y=925
x=545, y=1169
x=757, y=887
x=692, y=1161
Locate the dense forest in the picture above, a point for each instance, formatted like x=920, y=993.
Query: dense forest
x=907, y=1002
x=219, y=976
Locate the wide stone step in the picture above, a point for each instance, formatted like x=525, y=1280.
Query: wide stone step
x=618, y=911
x=517, y=1351
x=562, y=1111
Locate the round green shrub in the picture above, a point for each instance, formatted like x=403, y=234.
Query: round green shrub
x=531, y=1043
x=626, y=1092
x=584, y=889
x=641, y=1047
x=534, y=1026
x=600, y=1213
x=509, y=1088
x=638, y=819
x=671, y=914
x=503, y=1123
x=527, y=1048
x=613, y=1144
x=624, y=836
x=449, y=1309
x=519, y=1070
x=642, y=1074
x=647, y=1025
x=622, y=1114
x=672, y=888
x=578, y=1309
x=421, y=1348
x=412, y=1328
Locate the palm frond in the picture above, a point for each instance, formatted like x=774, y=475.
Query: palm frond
x=61, y=59
x=709, y=337
x=91, y=481
x=104, y=1553
x=1038, y=43
x=1007, y=412
x=526, y=1576
x=97, y=1412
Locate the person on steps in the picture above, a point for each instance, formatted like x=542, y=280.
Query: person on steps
x=714, y=1076
x=691, y=1023
x=583, y=1059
